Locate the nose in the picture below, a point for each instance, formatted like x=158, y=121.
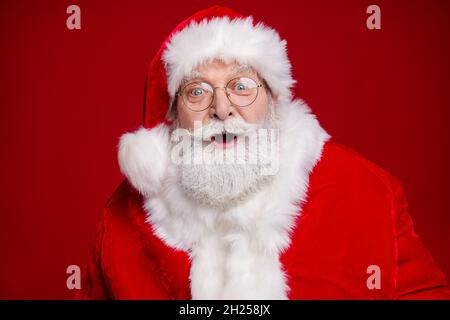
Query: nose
x=221, y=108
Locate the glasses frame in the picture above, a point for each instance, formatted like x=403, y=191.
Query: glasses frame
x=258, y=85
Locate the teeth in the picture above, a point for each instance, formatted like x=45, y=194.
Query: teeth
x=223, y=137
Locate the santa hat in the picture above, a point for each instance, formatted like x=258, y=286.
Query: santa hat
x=216, y=32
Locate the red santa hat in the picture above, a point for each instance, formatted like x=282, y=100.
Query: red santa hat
x=215, y=33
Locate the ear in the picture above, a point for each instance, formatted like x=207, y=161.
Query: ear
x=172, y=112
x=273, y=98
x=272, y=95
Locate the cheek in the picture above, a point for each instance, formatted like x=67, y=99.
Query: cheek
x=187, y=118
x=256, y=112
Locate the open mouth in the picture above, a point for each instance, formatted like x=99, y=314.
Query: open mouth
x=224, y=139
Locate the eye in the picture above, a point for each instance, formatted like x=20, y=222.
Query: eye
x=239, y=86
x=242, y=86
x=197, y=92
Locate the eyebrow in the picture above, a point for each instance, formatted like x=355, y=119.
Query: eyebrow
x=236, y=70
x=240, y=69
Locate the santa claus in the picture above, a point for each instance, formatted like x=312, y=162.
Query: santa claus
x=233, y=190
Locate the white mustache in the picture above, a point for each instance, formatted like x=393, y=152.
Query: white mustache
x=233, y=126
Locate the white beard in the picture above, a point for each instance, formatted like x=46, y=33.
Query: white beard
x=221, y=186
x=227, y=177
x=234, y=255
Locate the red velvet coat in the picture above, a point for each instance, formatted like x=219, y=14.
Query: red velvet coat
x=355, y=216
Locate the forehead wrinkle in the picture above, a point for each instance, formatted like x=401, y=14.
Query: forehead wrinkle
x=195, y=74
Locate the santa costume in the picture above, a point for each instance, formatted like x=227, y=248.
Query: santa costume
x=331, y=225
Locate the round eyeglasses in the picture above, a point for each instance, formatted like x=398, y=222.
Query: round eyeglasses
x=199, y=95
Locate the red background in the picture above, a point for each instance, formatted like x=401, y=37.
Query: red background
x=67, y=96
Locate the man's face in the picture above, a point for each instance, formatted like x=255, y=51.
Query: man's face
x=218, y=74
x=233, y=157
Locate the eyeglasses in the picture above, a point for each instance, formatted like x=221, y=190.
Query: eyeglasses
x=199, y=95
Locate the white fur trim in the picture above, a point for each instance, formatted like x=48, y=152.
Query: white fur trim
x=238, y=39
x=143, y=157
x=234, y=253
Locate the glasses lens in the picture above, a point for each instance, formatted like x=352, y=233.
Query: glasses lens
x=197, y=95
x=242, y=91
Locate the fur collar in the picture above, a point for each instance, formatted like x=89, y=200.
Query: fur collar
x=235, y=253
